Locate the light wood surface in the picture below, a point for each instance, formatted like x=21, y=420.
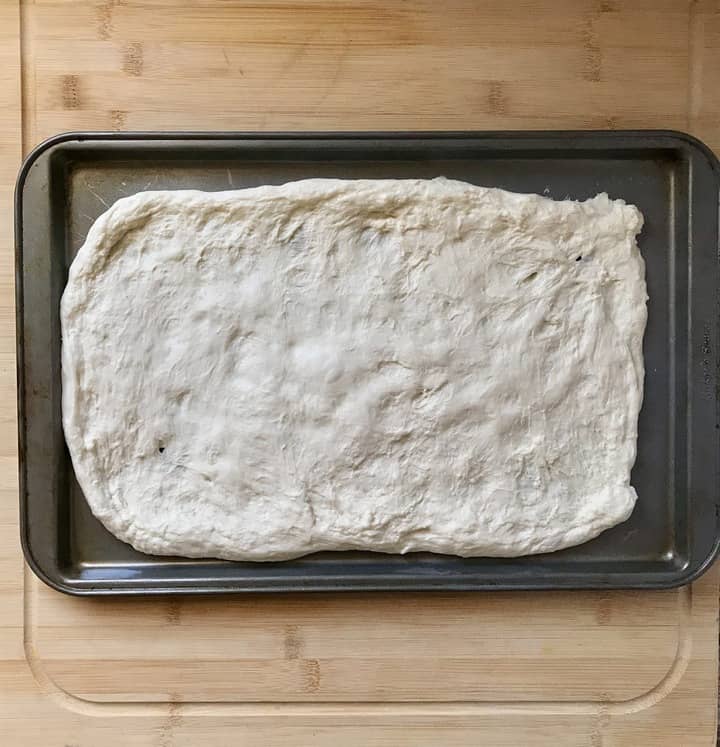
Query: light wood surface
x=595, y=669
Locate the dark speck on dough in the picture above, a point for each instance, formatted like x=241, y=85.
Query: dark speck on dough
x=577, y=259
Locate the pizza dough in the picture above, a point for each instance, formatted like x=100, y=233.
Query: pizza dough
x=381, y=365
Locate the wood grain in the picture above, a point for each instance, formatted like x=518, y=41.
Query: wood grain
x=595, y=669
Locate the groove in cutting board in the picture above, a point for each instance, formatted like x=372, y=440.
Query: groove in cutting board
x=366, y=648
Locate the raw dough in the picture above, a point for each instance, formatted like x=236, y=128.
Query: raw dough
x=383, y=365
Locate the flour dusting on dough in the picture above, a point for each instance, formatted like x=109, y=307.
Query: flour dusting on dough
x=389, y=365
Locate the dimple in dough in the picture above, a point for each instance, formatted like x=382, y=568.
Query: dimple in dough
x=389, y=365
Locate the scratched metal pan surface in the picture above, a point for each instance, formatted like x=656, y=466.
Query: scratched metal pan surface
x=671, y=537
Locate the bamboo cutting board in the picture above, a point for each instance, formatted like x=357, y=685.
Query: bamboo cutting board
x=593, y=669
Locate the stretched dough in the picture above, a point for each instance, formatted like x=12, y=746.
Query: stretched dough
x=384, y=365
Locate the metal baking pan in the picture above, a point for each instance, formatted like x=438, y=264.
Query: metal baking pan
x=672, y=536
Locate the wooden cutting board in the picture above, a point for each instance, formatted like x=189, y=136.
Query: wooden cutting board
x=613, y=668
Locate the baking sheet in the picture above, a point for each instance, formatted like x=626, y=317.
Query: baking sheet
x=672, y=535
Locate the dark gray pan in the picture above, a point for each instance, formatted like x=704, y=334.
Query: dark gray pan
x=672, y=535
